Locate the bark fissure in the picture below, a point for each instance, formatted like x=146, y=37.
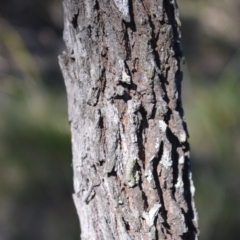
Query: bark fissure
x=122, y=73
x=74, y=20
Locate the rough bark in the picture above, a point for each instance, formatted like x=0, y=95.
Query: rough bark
x=132, y=176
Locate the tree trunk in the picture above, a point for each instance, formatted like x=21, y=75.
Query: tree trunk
x=132, y=176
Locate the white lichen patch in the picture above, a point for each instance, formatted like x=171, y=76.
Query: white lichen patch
x=151, y=215
x=123, y=7
x=88, y=8
x=192, y=188
x=157, y=144
x=166, y=159
x=162, y=126
x=120, y=91
x=125, y=77
x=179, y=183
x=181, y=160
x=182, y=136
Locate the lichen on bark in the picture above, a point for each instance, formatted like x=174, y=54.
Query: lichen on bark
x=131, y=168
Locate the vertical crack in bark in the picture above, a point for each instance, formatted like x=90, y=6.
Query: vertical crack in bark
x=75, y=20
x=175, y=144
x=131, y=24
x=142, y=135
x=126, y=224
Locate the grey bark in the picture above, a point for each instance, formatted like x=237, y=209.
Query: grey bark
x=132, y=177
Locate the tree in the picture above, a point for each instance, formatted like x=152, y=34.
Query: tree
x=132, y=177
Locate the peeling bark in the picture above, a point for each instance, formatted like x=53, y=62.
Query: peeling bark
x=132, y=177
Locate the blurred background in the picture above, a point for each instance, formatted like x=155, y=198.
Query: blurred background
x=35, y=150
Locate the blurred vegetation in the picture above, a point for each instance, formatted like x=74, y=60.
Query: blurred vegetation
x=213, y=123
x=211, y=93
x=35, y=145
x=35, y=150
